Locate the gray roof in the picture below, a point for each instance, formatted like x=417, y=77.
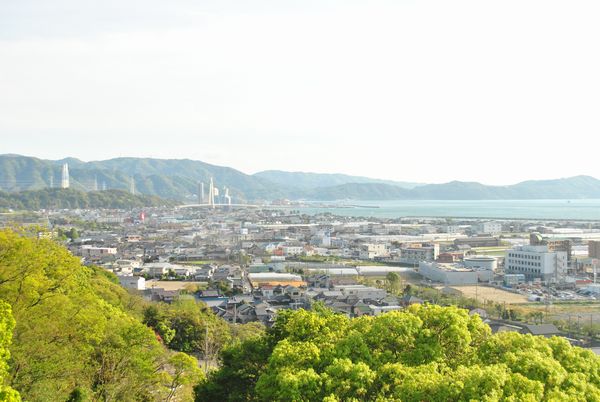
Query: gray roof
x=542, y=329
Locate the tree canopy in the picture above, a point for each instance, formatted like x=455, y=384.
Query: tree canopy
x=75, y=336
x=428, y=352
x=58, y=198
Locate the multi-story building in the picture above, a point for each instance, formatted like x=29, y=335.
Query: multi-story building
x=370, y=251
x=536, y=239
x=415, y=253
x=491, y=228
x=594, y=249
x=536, y=262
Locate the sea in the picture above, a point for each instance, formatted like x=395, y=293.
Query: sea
x=576, y=209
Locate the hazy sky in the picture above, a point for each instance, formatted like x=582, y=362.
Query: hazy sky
x=428, y=91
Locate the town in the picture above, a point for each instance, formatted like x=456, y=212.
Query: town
x=246, y=264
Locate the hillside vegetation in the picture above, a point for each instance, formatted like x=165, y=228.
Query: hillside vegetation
x=427, y=353
x=77, y=335
x=177, y=179
x=56, y=198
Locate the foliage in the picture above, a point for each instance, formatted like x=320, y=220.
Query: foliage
x=7, y=324
x=74, y=337
x=188, y=326
x=426, y=352
x=56, y=198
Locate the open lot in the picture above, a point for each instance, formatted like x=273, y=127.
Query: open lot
x=489, y=293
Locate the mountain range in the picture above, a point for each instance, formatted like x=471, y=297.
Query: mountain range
x=178, y=179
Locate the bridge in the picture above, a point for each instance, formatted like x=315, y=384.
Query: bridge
x=220, y=205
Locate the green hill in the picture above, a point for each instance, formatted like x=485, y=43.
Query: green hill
x=177, y=179
x=56, y=198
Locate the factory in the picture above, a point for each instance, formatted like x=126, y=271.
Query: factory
x=454, y=274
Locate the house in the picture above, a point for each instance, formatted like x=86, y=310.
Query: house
x=546, y=330
x=408, y=300
x=132, y=282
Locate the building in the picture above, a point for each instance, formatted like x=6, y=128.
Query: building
x=594, y=249
x=450, y=274
x=489, y=228
x=481, y=262
x=361, y=291
x=93, y=252
x=132, y=282
x=158, y=269
x=511, y=280
x=536, y=239
x=415, y=253
x=292, y=249
x=478, y=242
x=370, y=251
x=536, y=262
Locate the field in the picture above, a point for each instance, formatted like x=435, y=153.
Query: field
x=483, y=293
x=491, y=251
x=569, y=310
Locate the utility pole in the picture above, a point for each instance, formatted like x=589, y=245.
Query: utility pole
x=206, y=348
x=235, y=313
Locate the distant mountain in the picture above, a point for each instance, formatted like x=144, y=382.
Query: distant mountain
x=177, y=179
x=567, y=188
x=173, y=178
x=57, y=198
x=304, y=181
x=354, y=191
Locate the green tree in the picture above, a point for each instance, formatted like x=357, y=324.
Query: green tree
x=7, y=324
x=77, y=335
x=426, y=352
x=393, y=281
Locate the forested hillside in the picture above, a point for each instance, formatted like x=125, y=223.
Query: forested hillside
x=56, y=198
x=427, y=353
x=178, y=179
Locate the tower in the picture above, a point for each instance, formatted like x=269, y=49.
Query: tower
x=211, y=193
x=227, y=196
x=95, y=188
x=201, y=193
x=132, y=186
x=51, y=180
x=64, y=182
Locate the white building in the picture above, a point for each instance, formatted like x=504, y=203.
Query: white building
x=481, y=262
x=452, y=274
x=132, y=282
x=157, y=269
x=491, y=228
x=415, y=253
x=372, y=250
x=91, y=251
x=536, y=262
x=362, y=291
x=292, y=250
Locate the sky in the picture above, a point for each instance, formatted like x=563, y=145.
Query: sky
x=427, y=91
